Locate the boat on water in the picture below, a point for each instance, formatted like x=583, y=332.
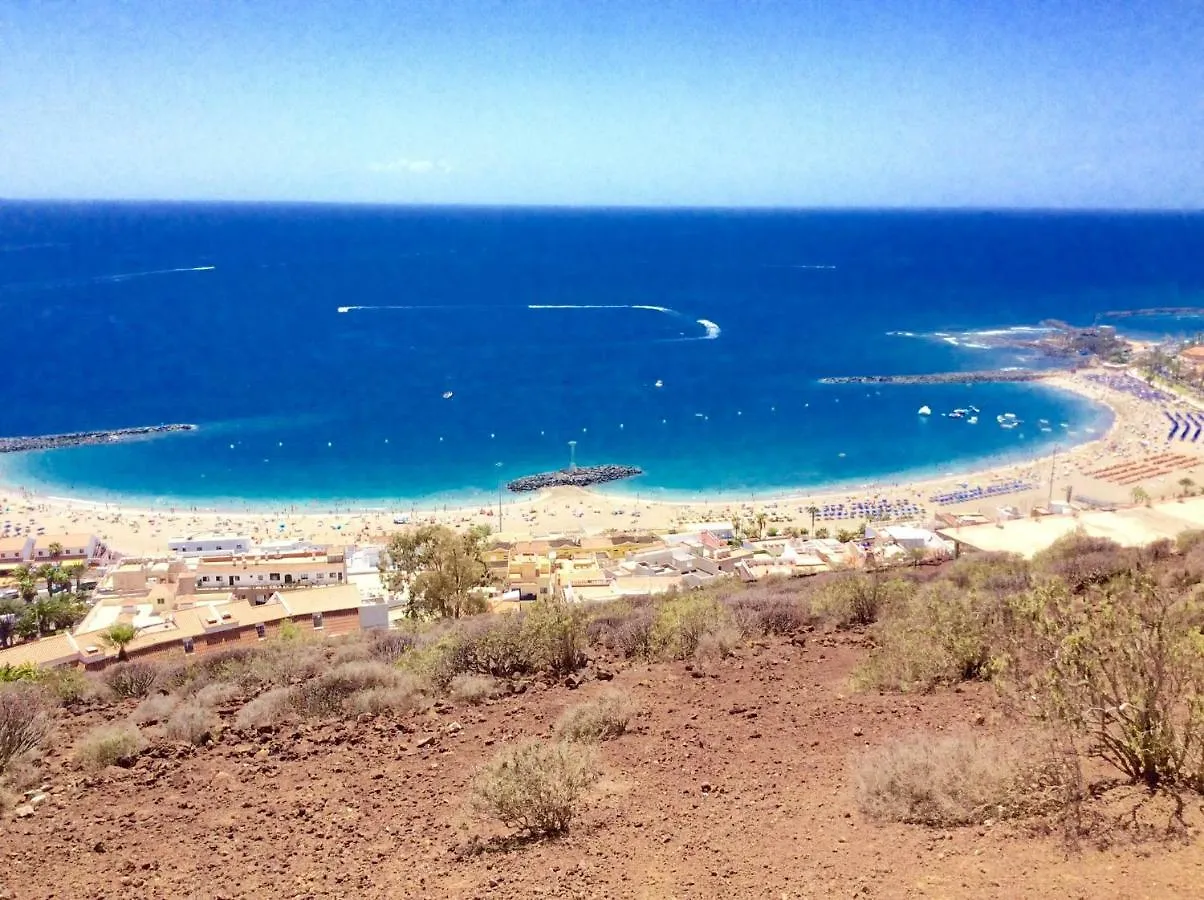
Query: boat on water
x=957, y=414
x=447, y=395
x=659, y=383
x=973, y=420
x=1007, y=420
x=924, y=411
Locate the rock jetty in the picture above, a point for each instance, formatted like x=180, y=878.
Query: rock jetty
x=947, y=377
x=80, y=438
x=582, y=476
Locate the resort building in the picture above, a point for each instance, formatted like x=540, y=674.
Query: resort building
x=14, y=551
x=256, y=576
x=210, y=545
x=69, y=547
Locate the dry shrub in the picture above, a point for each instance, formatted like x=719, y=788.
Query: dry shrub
x=769, y=609
x=536, y=787
x=400, y=698
x=857, y=598
x=548, y=638
x=718, y=644
x=632, y=635
x=600, y=719
x=995, y=574
x=26, y=720
x=390, y=646
x=192, y=722
x=269, y=708
x=953, y=780
x=475, y=688
x=280, y=663
x=154, y=709
x=107, y=745
x=131, y=679
x=218, y=693
x=346, y=651
x=325, y=695
x=67, y=685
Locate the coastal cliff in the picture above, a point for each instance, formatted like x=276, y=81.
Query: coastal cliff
x=583, y=476
x=80, y=438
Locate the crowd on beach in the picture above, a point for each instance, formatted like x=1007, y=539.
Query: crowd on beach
x=1138, y=430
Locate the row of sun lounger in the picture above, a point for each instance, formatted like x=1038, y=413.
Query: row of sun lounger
x=981, y=493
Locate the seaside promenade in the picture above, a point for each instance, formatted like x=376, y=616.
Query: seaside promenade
x=1138, y=435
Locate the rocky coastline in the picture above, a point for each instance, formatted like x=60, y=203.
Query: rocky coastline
x=981, y=377
x=81, y=438
x=582, y=476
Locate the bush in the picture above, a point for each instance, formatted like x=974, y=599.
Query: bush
x=1121, y=667
x=107, y=745
x=269, y=708
x=474, y=688
x=596, y=720
x=66, y=685
x=390, y=646
x=994, y=574
x=941, y=636
x=632, y=635
x=535, y=787
x=218, y=693
x=682, y=621
x=718, y=644
x=861, y=599
x=25, y=671
x=1082, y=561
x=191, y=722
x=946, y=781
x=768, y=610
x=26, y=720
x=324, y=695
x=131, y=679
x=154, y=709
x=399, y=698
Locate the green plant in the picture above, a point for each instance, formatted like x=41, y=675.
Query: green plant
x=600, y=719
x=681, y=622
x=856, y=598
x=25, y=671
x=536, y=787
x=119, y=636
x=108, y=745
x=26, y=720
x=1122, y=667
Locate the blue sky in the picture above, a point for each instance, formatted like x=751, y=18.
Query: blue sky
x=1086, y=103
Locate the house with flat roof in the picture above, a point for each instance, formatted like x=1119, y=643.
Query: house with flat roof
x=74, y=548
x=14, y=551
x=250, y=576
x=210, y=545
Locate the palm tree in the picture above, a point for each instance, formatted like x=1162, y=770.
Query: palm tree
x=26, y=582
x=49, y=574
x=76, y=571
x=1187, y=484
x=760, y=518
x=119, y=636
x=56, y=550
x=1139, y=495
x=814, y=510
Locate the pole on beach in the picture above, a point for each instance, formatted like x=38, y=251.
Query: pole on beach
x=1053, y=461
x=572, y=456
x=499, y=496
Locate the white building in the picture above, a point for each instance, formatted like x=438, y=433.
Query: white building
x=210, y=545
x=74, y=547
x=257, y=574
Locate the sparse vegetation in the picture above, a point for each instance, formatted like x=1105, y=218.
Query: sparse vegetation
x=600, y=719
x=536, y=787
x=26, y=721
x=108, y=745
x=270, y=708
x=192, y=722
x=474, y=688
x=131, y=679
x=951, y=780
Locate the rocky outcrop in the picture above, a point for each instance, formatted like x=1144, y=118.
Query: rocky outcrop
x=80, y=438
x=946, y=377
x=583, y=476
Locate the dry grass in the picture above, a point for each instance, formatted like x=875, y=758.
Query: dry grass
x=475, y=688
x=718, y=644
x=600, y=719
x=400, y=698
x=218, y=693
x=192, y=722
x=269, y=708
x=536, y=787
x=26, y=721
x=105, y=746
x=154, y=709
x=951, y=780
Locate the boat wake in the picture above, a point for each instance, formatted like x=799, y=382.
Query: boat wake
x=982, y=339
x=711, y=330
x=97, y=279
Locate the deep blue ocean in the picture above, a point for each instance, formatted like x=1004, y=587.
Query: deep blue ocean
x=546, y=326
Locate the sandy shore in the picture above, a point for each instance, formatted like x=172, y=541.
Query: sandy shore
x=1138, y=430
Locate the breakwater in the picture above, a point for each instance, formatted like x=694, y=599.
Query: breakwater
x=583, y=476
x=982, y=377
x=80, y=438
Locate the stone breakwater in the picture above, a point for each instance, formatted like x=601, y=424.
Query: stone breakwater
x=583, y=476
x=946, y=377
x=80, y=438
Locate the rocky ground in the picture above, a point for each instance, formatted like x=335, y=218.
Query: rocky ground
x=735, y=782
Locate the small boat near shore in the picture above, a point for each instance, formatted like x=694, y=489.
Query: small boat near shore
x=447, y=395
x=1007, y=420
x=924, y=411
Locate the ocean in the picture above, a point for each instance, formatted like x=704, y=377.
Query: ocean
x=386, y=356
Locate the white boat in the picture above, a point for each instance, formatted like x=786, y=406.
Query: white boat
x=973, y=420
x=659, y=383
x=447, y=395
x=924, y=411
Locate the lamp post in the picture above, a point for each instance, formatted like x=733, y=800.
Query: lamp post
x=572, y=456
x=498, y=466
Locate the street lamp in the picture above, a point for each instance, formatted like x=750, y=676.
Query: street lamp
x=572, y=456
x=498, y=466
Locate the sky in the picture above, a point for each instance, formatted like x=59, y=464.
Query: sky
x=798, y=103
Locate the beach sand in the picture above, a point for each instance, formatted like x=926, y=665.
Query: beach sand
x=1138, y=430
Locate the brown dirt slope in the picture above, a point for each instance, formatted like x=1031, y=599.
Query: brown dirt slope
x=732, y=784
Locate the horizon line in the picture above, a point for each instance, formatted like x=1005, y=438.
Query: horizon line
x=609, y=207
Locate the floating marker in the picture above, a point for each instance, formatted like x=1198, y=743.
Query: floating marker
x=620, y=424
x=492, y=435
x=231, y=446
x=329, y=444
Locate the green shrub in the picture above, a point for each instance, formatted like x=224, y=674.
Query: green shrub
x=856, y=598
x=945, y=781
x=26, y=721
x=600, y=719
x=536, y=787
x=107, y=745
x=25, y=671
x=681, y=622
x=941, y=635
x=67, y=685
